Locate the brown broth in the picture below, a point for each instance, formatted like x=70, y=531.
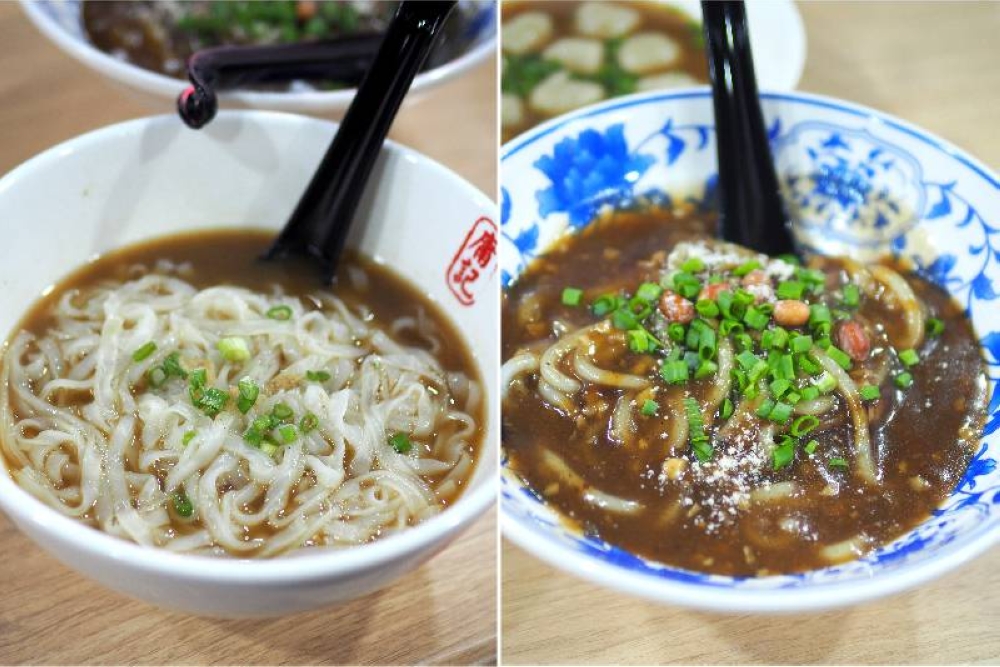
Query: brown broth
x=656, y=17
x=929, y=431
x=231, y=257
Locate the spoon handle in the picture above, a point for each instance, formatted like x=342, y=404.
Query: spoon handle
x=751, y=212
x=344, y=60
x=321, y=220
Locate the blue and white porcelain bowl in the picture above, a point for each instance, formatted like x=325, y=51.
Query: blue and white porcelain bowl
x=857, y=182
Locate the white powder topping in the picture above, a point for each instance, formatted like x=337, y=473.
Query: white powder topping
x=722, y=257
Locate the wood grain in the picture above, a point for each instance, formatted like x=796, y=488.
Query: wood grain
x=445, y=613
x=931, y=63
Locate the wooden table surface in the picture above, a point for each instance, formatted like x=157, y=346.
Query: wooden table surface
x=445, y=612
x=933, y=64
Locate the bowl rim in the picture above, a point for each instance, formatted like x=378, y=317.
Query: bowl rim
x=166, y=86
x=297, y=567
x=695, y=595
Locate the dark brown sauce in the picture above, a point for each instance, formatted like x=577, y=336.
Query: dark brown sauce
x=927, y=432
x=231, y=257
x=656, y=17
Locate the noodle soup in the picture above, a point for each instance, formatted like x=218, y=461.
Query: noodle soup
x=181, y=394
x=710, y=408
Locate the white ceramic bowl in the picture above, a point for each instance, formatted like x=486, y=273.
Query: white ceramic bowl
x=150, y=177
x=843, y=169
x=60, y=22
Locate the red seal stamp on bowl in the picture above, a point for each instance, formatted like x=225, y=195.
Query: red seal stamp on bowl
x=474, y=261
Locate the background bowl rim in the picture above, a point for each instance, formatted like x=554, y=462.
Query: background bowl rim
x=165, y=86
x=716, y=598
x=23, y=507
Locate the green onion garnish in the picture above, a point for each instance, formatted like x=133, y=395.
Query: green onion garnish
x=144, y=351
x=648, y=408
x=790, y=289
x=676, y=332
x=819, y=315
x=779, y=338
x=317, y=376
x=807, y=364
x=764, y=411
x=674, y=372
x=253, y=436
x=780, y=412
x=869, y=392
x=288, y=433
x=707, y=308
x=851, y=296
x=188, y=437
x=803, y=425
x=212, y=401
x=265, y=423
x=909, y=358
x=935, y=327
x=811, y=446
x=280, y=313
x=727, y=327
x=693, y=265
x=801, y=344
x=234, y=348
x=400, y=442
x=780, y=386
x=649, y=292
x=696, y=428
x=784, y=453
x=571, y=296
x=182, y=505
x=156, y=376
x=706, y=369
x=248, y=393
x=746, y=267
x=604, y=305
x=809, y=393
x=839, y=356
x=727, y=409
x=308, y=422
x=792, y=397
x=282, y=412
x=269, y=447
x=838, y=462
x=172, y=365
x=755, y=318
x=903, y=380
x=686, y=285
x=624, y=319
x=825, y=383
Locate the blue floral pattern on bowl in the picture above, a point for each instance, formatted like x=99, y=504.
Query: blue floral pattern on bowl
x=858, y=183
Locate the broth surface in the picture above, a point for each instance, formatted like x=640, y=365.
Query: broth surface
x=923, y=438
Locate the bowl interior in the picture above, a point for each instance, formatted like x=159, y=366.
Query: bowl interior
x=857, y=182
x=152, y=177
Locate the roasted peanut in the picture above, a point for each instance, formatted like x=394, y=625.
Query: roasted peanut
x=852, y=339
x=791, y=313
x=676, y=308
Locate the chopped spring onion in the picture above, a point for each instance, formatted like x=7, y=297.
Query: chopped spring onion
x=825, y=383
x=725, y=301
x=693, y=265
x=727, y=327
x=780, y=412
x=640, y=340
x=253, y=436
x=841, y=357
x=696, y=428
x=819, y=315
x=935, y=327
x=624, y=319
x=779, y=338
x=793, y=397
x=807, y=364
x=706, y=369
x=687, y=285
x=780, y=386
x=156, y=376
x=674, y=372
x=790, y=289
x=809, y=393
x=903, y=380
x=838, y=462
x=707, y=308
x=188, y=437
x=743, y=341
x=727, y=409
x=811, y=446
x=269, y=447
x=676, y=332
x=212, y=401
x=869, y=392
x=649, y=291
x=280, y=313
x=182, y=505
x=571, y=296
x=400, y=442
x=708, y=344
x=172, y=365
x=640, y=308
x=308, y=422
x=851, y=296
x=282, y=412
x=265, y=423
x=755, y=318
x=605, y=304
x=288, y=433
x=784, y=453
x=317, y=376
x=746, y=267
x=648, y=408
x=803, y=425
x=801, y=344
x=248, y=393
x=144, y=351
x=234, y=348
x=747, y=359
x=909, y=358
x=764, y=411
